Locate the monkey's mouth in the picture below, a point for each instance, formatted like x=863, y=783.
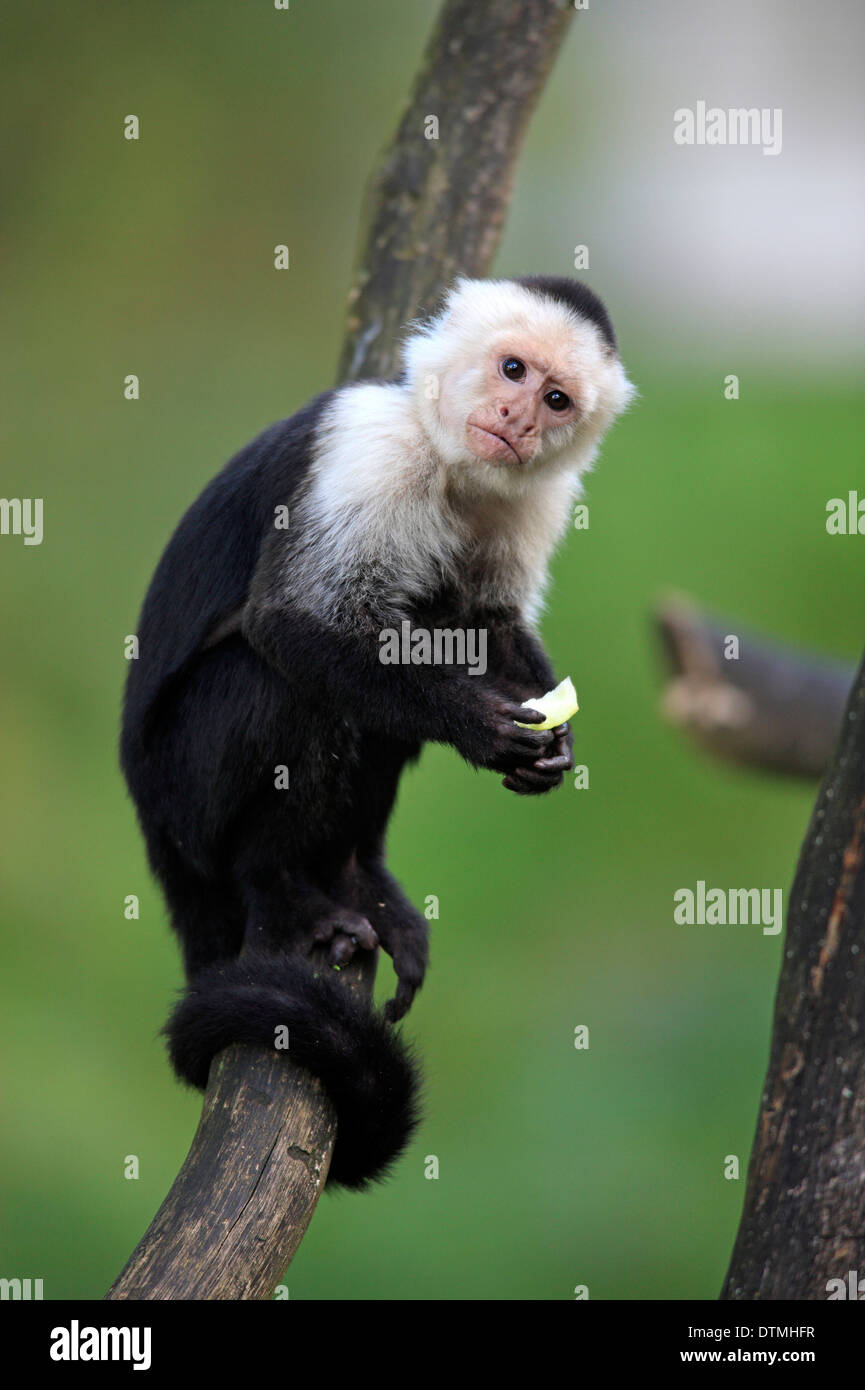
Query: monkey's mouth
x=493, y=447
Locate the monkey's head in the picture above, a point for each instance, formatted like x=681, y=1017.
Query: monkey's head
x=514, y=378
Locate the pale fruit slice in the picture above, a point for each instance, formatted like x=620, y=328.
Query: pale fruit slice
x=558, y=705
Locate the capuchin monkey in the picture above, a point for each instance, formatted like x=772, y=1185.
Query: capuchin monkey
x=434, y=500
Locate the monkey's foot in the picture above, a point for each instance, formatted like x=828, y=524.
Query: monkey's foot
x=346, y=931
x=407, y=945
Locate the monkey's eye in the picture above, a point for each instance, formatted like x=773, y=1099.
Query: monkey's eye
x=513, y=369
x=557, y=400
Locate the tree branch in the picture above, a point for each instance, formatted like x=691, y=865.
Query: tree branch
x=247, y=1191
x=772, y=707
x=436, y=206
x=804, y=1217
x=240, y=1205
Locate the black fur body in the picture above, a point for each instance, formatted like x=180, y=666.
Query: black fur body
x=235, y=680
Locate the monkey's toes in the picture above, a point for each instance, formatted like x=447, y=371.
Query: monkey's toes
x=398, y=1007
x=410, y=969
x=345, y=931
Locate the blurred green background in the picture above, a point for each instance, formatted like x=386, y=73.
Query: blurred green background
x=557, y=1167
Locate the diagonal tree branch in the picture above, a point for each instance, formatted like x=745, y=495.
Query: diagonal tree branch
x=240, y=1205
x=436, y=205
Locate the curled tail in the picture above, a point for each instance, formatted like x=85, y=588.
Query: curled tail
x=364, y=1067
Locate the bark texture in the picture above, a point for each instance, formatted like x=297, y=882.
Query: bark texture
x=240, y=1205
x=436, y=204
x=804, y=1217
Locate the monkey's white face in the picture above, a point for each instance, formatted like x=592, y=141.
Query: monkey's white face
x=520, y=398
x=507, y=379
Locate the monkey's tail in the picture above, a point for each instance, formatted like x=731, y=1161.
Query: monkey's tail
x=366, y=1070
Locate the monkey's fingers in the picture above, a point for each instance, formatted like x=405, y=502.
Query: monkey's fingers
x=522, y=714
x=346, y=931
x=398, y=1007
x=342, y=949
x=560, y=762
x=406, y=943
x=363, y=934
x=348, y=923
x=346, y=943
x=563, y=745
x=524, y=740
x=528, y=782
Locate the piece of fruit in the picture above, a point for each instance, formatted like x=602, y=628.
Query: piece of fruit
x=558, y=705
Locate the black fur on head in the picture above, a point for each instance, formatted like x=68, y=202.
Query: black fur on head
x=575, y=295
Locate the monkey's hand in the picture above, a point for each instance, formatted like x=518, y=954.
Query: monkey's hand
x=547, y=771
x=497, y=741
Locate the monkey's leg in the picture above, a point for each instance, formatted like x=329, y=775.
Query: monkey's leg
x=205, y=915
x=285, y=911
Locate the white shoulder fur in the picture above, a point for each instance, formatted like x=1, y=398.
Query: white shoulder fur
x=392, y=507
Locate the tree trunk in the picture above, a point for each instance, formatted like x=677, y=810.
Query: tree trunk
x=804, y=1217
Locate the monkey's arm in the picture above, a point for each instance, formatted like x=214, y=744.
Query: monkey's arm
x=518, y=663
x=339, y=666
x=516, y=658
